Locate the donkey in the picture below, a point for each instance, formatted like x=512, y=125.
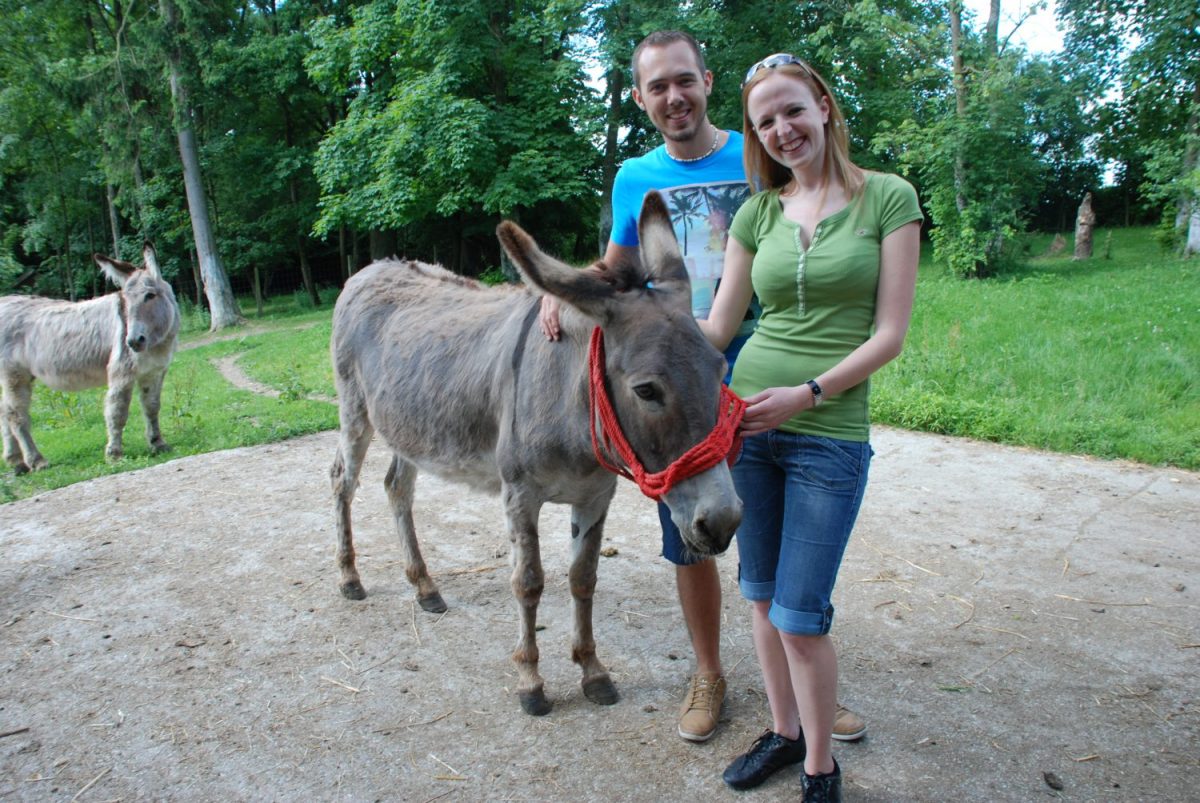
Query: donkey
x=120, y=339
x=448, y=373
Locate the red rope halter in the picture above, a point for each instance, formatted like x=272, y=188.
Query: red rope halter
x=721, y=444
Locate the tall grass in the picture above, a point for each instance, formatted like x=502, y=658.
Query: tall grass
x=1098, y=357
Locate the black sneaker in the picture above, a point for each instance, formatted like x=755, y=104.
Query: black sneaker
x=769, y=753
x=825, y=788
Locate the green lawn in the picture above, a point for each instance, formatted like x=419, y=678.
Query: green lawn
x=1099, y=357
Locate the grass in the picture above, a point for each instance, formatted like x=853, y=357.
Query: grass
x=1099, y=358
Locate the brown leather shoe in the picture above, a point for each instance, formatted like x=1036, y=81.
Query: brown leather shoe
x=847, y=725
x=701, y=707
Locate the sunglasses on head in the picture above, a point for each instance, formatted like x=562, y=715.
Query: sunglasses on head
x=770, y=62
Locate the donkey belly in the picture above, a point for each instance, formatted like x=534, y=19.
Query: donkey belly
x=445, y=436
x=73, y=379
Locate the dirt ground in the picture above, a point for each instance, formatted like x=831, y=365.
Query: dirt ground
x=1013, y=625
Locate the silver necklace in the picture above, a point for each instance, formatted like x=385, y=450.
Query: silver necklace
x=711, y=148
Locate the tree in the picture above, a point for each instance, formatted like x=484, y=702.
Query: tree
x=1149, y=52
x=977, y=199
x=459, y=114
x=222, y=305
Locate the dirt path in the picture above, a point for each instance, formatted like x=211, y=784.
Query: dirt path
x=1009, y=622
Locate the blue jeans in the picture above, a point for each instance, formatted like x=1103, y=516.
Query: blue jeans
x=673, y=548
x=800, y=497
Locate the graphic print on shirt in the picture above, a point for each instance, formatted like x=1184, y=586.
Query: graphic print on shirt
x=701, y=215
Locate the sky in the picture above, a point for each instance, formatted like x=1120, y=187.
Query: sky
x=1038, y=34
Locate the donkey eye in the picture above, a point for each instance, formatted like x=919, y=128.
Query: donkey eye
x=151, y=296
x=647, y=391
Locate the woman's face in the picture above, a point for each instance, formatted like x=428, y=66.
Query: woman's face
x=789, y=121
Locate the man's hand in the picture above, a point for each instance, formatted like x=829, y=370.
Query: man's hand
x=548, y=318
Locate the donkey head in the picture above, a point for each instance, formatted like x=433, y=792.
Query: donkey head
x=148, y=307
x=664, y=378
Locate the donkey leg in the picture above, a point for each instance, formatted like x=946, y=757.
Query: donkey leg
x=353, y=441
x=150, y=390
x=527, y=584
x=19, y=449
x=401, y=477
x=116, y=413
x=587, y=529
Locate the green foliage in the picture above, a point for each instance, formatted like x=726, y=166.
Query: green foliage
x=493, y=276
x=469, y=109
x=1143, y=58
x=422, y=123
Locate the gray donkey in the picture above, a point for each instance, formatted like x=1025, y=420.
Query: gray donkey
x=455, y=379
x=121, y=339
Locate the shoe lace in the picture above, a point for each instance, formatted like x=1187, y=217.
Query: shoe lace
x=702, y=693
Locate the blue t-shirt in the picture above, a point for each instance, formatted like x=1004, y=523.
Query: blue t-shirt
x=702, y=198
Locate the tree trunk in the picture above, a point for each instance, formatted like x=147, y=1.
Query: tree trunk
x=197, y=282
x=383, y=244
x=608, y=170
x=1192, y=246
x=1085, y=222
x=114, y=220
x=221, y=302
x=960, y=100
x=1191, y=202
x=306, y=274
x=991, y=33
x=258, y=292
x=343, y=258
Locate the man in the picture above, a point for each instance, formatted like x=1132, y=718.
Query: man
x=698, y=169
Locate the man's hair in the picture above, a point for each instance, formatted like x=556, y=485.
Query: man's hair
x=662, y=39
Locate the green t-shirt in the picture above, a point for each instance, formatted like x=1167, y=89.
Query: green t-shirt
x=818, y=305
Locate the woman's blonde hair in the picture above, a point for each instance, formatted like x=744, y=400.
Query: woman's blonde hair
x=763, y=172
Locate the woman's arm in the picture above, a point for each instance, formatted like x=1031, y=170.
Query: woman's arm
x=898, y=257
x=733, y=296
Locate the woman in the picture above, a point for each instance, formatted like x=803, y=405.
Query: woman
x=831, y=251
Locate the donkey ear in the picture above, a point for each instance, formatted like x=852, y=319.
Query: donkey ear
x=117, y=271
x=659, y=249
x=150, y=261
x=584, y=289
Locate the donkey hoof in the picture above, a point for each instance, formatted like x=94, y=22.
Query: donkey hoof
x=114, y=457
x=160, y=448
x=535, y=703
x=600, y=691
x=433, y=603
x=20, y=468
x=353, y=590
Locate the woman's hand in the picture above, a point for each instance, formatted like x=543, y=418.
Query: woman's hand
x=769, y=408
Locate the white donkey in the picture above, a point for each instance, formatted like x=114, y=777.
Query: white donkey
x=121, y=339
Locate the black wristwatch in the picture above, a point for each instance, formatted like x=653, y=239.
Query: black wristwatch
x=817, y=393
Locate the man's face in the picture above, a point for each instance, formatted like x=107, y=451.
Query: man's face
x=672, y=90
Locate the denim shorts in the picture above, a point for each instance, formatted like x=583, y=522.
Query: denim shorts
x=800, y=497
x=673, y=548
